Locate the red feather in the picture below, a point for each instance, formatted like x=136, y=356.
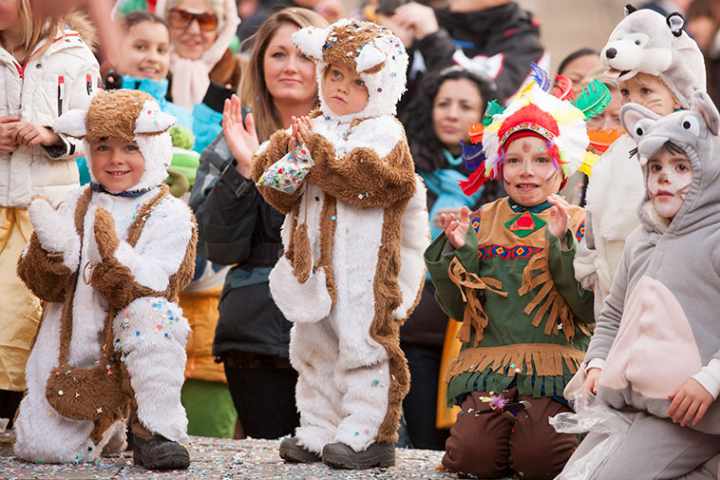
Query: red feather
x=476, y=180
x=563, y=88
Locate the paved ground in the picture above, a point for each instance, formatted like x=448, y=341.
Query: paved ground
x=223, y=459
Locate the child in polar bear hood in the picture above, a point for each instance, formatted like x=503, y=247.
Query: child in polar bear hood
x=354, y=236
x=654, y=357
x=109, y=263
x=657, y=65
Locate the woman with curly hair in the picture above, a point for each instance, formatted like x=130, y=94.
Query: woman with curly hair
x=436, y=121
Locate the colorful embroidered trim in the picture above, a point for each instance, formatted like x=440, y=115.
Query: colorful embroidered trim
x=580, y=233
x=487, y=252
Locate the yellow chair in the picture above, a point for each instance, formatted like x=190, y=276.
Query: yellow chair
x=446, y=416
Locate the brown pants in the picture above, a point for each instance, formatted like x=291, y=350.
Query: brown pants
x=495, y=444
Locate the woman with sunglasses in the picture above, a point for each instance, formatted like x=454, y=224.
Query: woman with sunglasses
x=200, y=33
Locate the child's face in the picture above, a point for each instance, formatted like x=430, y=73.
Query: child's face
x=9, y=13
x=669, y=178
x=650, y=92
x=343, y=90
x=146, y=51
x=529, y=174
x=116, y=164
x=456, y=107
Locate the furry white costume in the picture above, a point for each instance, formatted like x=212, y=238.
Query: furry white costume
x=354, y=238
x=110, y=274
x=644, y=41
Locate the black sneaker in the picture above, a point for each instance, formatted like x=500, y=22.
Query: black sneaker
x=291, y=451
x=159, y=453
x=339, y=455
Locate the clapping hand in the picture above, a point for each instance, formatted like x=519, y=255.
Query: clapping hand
x=301, y=131
x=455, y=226
x=559, y=216
x=240, y=135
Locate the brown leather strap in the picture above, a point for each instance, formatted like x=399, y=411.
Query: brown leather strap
x=134, y=232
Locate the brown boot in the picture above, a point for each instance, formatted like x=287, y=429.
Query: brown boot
x=339, y=455
x=291, y=451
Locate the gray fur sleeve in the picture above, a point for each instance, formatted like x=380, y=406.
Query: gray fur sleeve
x=609, y=322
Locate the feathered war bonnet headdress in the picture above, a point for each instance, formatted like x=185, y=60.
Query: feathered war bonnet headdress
x=538, y=111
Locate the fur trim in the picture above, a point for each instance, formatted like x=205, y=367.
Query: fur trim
x=82, y=24
x=328, y=224
x=44, y=273
x=385, y=328
x=116, y=281
x=362, y=179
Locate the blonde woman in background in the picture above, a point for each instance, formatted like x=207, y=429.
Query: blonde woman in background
x=237, y=227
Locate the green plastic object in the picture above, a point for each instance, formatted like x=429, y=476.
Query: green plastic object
x=493, y=108
x=594, y=99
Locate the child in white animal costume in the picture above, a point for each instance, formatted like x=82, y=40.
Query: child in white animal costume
x=354, y=237
x=645, y=51
x=109, y=263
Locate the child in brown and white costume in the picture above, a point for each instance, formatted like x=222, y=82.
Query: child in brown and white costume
x=109, y=264
x=354, y=237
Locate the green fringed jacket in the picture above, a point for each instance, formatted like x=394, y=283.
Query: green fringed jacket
x=526, y=320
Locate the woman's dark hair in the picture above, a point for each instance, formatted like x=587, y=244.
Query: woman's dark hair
x=138, y=17
x=583, y=52
x=417, y=118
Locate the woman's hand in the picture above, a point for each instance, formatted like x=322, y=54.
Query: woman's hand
x=591, y=380
x=559, y=216
x=689, y=404
x=240, y=135
x=27, y=133
x=7, y=134
x=420, y=19
x=455, y=226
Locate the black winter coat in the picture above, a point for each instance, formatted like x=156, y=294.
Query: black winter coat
x=237, y=227
x=505, y=29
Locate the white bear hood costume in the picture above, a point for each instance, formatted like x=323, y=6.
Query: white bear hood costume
x=110, y=273
x=354, y=238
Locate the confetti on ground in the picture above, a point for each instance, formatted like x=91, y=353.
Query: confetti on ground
x=223, y=459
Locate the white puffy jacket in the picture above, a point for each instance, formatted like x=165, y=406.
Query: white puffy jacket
x=64, y=77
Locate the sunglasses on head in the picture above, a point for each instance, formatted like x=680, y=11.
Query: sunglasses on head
x=179, y=18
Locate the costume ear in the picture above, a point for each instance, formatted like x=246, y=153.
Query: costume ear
x=703, y=104
x=370, y=58
x=71, y=123
x=676, y=22
x=152, y=119
x=636, y=120
x=311, y=41
x=629, y=9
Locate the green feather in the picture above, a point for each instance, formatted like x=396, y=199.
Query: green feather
x=493, y=108
x=594, y=99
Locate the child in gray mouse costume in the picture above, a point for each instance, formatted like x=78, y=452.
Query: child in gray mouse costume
x=655, y=354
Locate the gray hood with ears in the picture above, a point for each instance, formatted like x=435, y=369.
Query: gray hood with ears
x=659, y=326
x=696, y=132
